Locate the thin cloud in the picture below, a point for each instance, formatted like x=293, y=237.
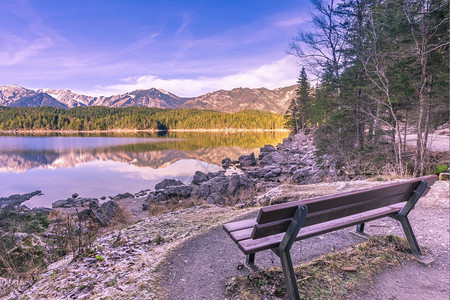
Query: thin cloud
x=280, y=73
x=20, y=53
x=186, y=21
x=290, y=22
x=145, y=41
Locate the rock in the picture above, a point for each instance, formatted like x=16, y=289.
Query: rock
x=71, y=202
x=160, y=197
x=146, y=206
x=103, y=214
x=166, y=183
x=179, y=191
x=262, y=172
x=74, y=195
x=226, y=163
x=274, y=158
x=215, y=198
x=272, y=173
x=59, y=203
x=85, y=214
x=212, y=175
x=16, y=200
x=199, y=177
x=300, y=176
x=233, y=184
x=247, y=160
x=220, y=188
x=267, y=149
x=122, y=196
x=292, y=170
x=182, y=191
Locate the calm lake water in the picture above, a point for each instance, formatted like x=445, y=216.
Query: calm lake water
x=108, y=164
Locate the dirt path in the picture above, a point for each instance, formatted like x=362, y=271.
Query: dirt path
x=200, y=268
x=438, y=141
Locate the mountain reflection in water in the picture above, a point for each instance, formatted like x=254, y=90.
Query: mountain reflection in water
x=108, y=164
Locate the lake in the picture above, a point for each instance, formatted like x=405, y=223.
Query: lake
x=96, y=165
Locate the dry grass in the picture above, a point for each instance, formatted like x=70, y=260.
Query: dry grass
x=328, y=277
x=174, y=204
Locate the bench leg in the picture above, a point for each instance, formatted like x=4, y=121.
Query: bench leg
x=289, y=275
x=414, y=246
x=360, y=228
x=250, y=259
x=402, y=216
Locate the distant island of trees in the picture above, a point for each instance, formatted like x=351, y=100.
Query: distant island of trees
x=132, y=118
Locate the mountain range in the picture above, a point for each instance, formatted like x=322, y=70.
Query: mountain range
x=234, y=100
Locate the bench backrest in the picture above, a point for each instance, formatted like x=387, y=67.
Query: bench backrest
x=276, y=218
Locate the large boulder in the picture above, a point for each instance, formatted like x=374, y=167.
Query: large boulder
x=220, y=188
x=180, y=191
x=247, y=160
x=103, y=214
x=273, y=173
x=166, y=183
x=177, y=191
x=267, y=149
x=212, y=175
x=274, y=158
x=216, y=184
x=199, y=177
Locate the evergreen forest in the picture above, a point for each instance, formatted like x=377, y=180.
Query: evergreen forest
x=132, y=118
x=380, y=70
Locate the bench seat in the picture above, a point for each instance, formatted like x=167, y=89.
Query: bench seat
x=278, y=226
x=249, y=245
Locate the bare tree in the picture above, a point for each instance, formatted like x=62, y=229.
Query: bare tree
x=423, y=32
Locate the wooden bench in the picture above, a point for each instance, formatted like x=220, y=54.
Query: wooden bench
x=277, y=227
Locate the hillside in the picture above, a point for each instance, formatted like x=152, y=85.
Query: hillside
x=238, y=99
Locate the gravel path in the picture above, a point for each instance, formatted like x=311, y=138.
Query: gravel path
x=200, y=268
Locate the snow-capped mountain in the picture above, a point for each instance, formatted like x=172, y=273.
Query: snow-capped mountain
x=276, y=100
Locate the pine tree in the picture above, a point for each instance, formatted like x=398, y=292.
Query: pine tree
x=297, y=113
x=303, y=98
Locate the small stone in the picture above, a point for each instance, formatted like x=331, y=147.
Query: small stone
x=74, y=195
x=425, y=260
x=226, y=163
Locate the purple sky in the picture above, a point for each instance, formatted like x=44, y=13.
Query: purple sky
x=186, y=47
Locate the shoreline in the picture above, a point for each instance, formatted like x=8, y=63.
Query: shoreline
x=227, y=130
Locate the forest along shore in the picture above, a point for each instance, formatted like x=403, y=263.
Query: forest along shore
x=45, y=131
x=116, y=261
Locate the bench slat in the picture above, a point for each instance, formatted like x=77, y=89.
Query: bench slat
x=249, y=246
x=285, y=210
x=263, y=230
x=240, y=235
x=356, y=208
x=266, y=229
x=239, y=225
